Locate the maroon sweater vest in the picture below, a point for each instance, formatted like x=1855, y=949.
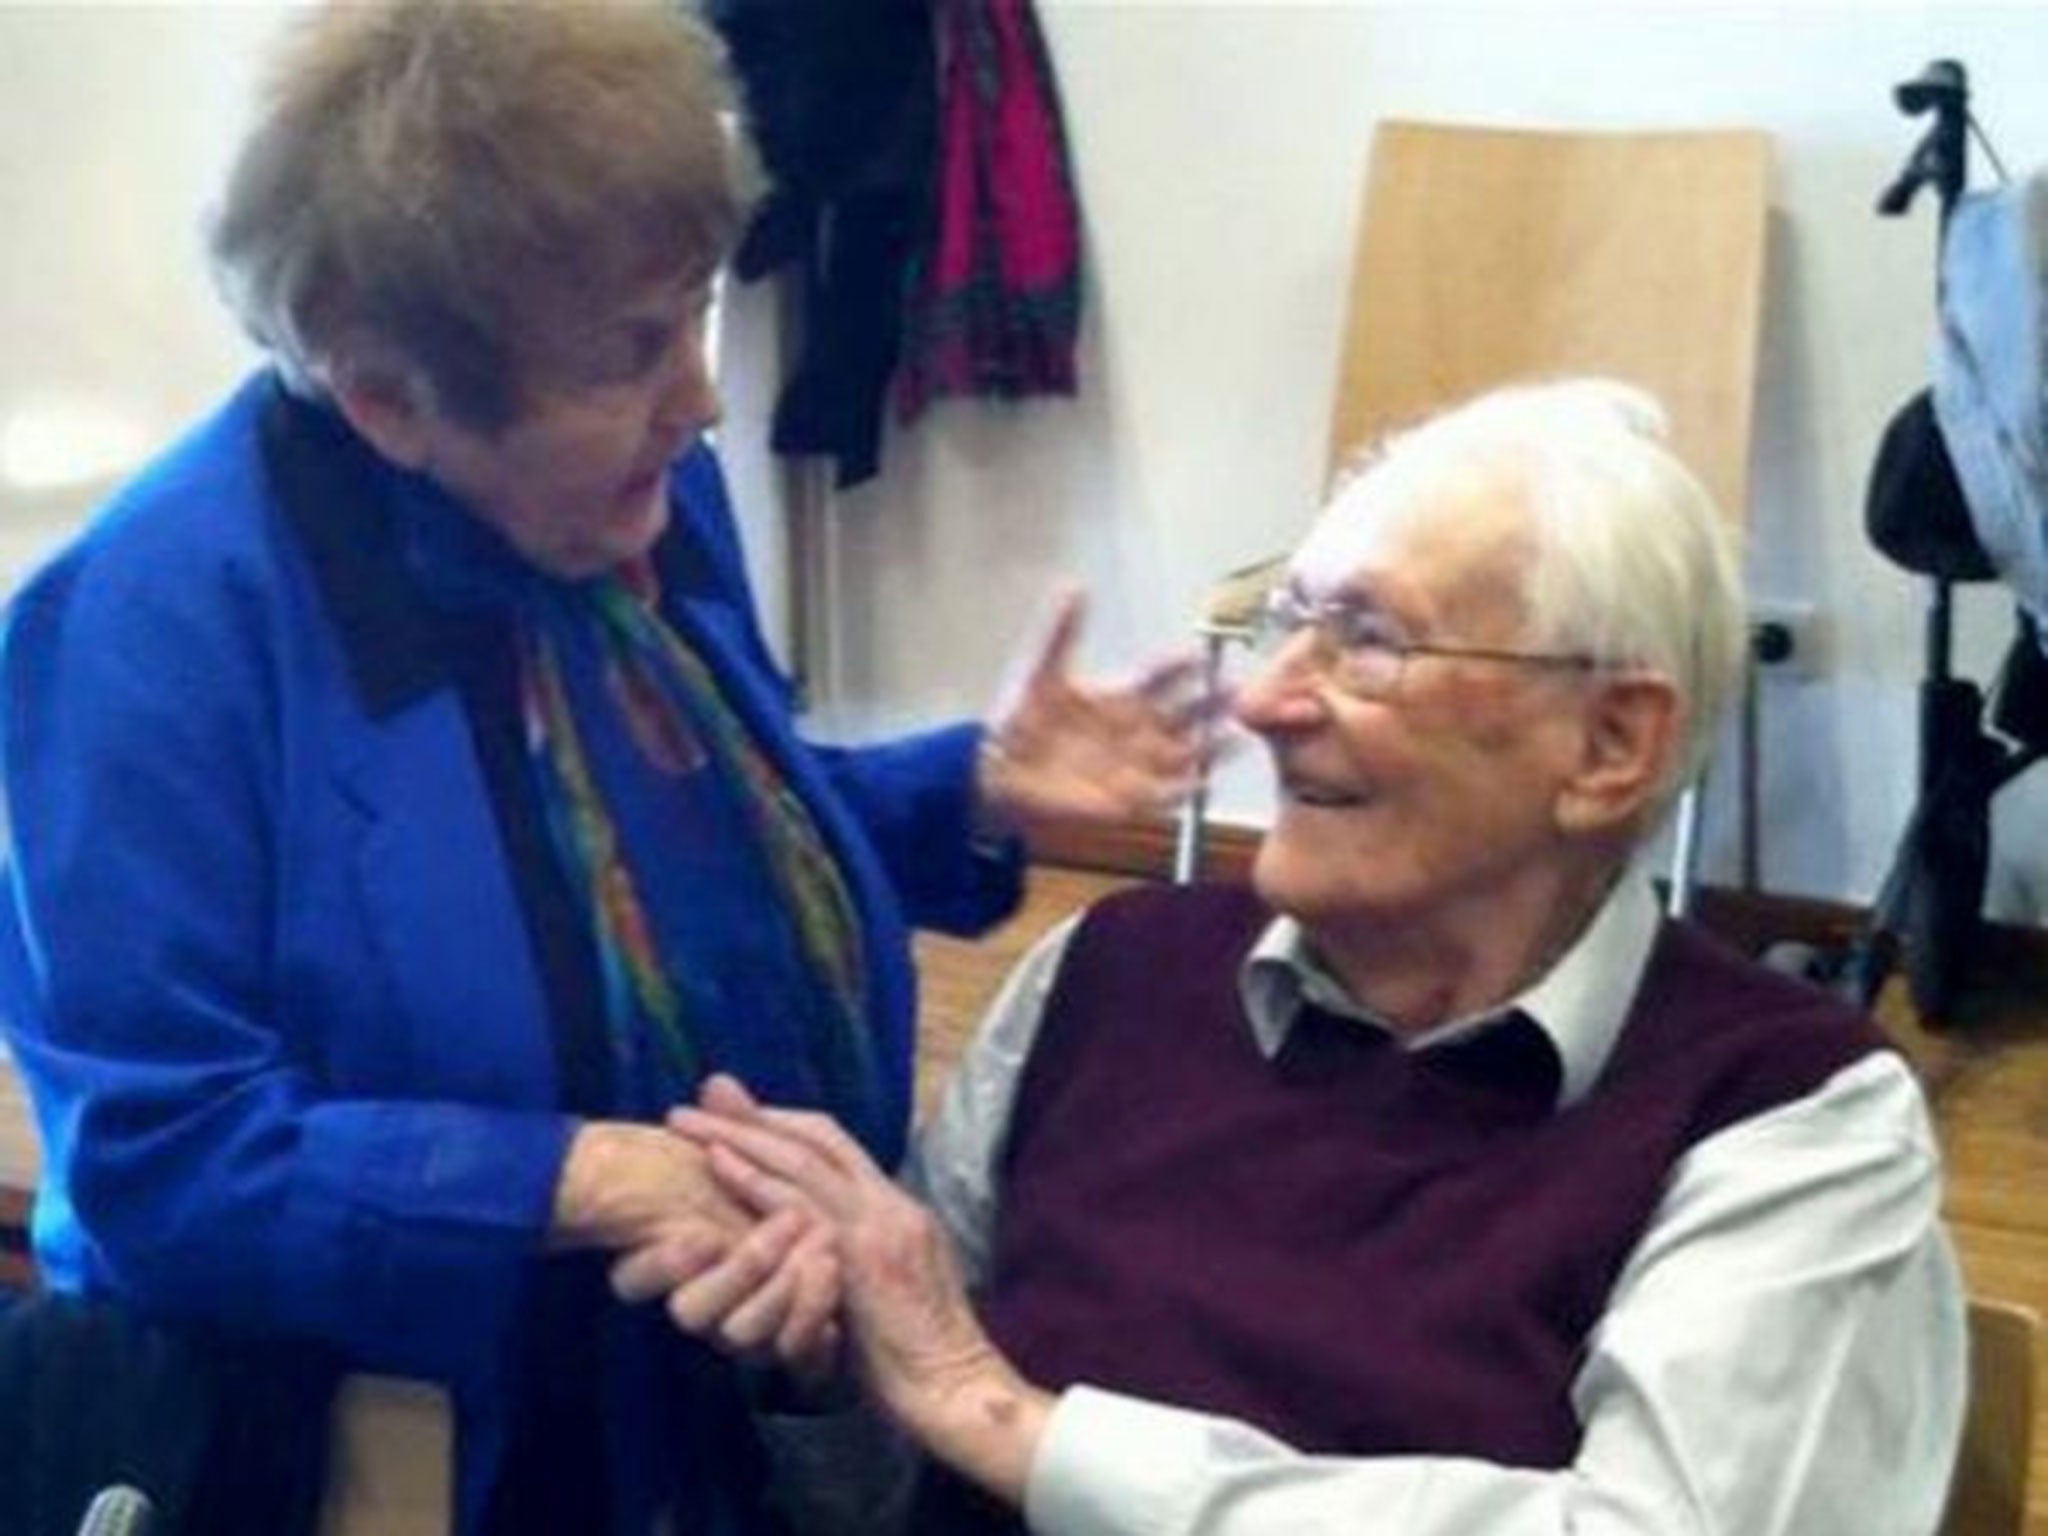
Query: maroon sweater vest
x=1362, y=1250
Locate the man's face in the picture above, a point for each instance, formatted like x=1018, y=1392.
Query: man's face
x=1426, y=802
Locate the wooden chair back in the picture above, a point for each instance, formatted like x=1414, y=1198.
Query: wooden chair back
x=391, y=1460
x=1988, y=1496
x=1489, y=255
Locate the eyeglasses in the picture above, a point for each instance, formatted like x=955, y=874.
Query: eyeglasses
x=1364, y=653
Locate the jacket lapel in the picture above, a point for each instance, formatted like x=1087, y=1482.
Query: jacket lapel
x=415, y=814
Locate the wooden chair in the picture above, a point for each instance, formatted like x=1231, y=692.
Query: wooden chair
x=1988, y=1496
x=392, y=1457
x=1488, y=255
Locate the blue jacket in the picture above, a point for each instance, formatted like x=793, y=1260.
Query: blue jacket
x=261, y=956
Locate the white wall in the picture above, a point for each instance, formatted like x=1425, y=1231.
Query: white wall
x=1220, y=150
x=114, y=121
x=1220, y=147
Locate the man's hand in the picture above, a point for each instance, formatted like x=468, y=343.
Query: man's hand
x=1065, y=750
x=919, y=1347
x=771, y=1299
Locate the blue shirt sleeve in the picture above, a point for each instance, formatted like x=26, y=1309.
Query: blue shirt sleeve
x=916, y=797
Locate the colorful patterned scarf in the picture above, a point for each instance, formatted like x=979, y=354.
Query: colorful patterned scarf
x=725, y=933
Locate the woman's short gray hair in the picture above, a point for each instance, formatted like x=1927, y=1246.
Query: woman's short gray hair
x=426, y=177
x=1630, y=559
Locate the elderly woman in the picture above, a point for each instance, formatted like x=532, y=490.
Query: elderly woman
x=406, y=809
x=1438, y=1186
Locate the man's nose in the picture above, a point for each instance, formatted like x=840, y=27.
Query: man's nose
x=1285, y=690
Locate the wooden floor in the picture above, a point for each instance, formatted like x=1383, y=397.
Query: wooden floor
x=1987, y=1079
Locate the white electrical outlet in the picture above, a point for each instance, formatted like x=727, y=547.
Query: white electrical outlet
x=1787, y=638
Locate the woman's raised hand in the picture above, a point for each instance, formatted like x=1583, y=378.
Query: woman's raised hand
x=1062, y=749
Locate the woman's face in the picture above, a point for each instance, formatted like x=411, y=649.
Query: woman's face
x=577, y=482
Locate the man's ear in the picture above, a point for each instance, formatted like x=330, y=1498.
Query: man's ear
x=1632, y=724
x=389, y=405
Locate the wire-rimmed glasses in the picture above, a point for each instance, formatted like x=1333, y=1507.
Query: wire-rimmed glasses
x=1363, y=650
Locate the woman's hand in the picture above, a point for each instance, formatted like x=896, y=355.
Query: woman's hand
x=623, y=1185
x=919, y=1347
x=1065, y=750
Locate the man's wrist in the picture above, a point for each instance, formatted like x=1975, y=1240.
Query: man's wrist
x=986, y=1426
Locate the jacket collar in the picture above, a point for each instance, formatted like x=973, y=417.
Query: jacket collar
x=409, y=580
x=338, y=497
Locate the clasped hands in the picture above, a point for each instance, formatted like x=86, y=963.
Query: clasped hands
x=826, y=1251
x=834, y=1273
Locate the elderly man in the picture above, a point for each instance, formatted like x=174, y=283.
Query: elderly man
x=1436, y=1185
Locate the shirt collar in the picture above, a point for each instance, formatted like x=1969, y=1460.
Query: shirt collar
x=1580, y=1003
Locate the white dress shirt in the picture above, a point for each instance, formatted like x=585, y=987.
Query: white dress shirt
x=1784, y=1353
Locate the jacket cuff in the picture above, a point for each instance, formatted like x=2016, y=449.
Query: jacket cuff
x=430, y=1212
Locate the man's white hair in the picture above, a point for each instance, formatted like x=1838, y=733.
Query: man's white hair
x=1631, y=561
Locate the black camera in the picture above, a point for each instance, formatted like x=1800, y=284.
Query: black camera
x=1940, y=85
x=1942, y=88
